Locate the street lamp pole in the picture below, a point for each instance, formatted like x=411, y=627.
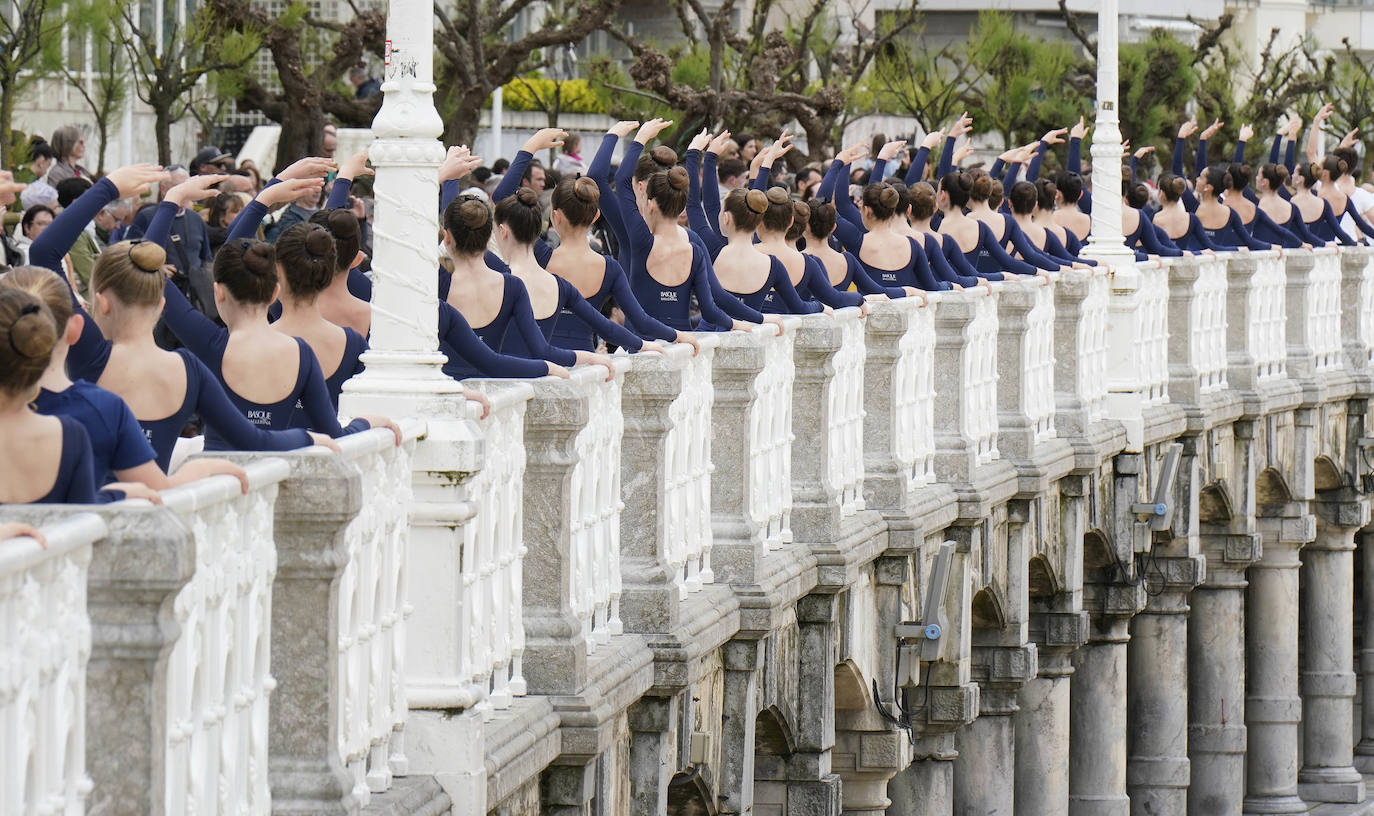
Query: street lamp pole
x=1106, y=243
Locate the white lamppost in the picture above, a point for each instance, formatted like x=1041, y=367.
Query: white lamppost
x=1106, y=243
x=404, y=356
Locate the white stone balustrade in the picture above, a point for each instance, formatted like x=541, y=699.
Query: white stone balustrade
x=218, y=677
x=1197, y=327
x=372, y=611
x=752, y=376
x=827, y=423
x=43, y=656
x=571, y=528
x=1025, y=362
x=966, y=351
x=1357, y=306
x=1267, y=316
x=665, y=532
x=899, y=400
x=1153, y=350
x=1080, y=346
x=1313, y=312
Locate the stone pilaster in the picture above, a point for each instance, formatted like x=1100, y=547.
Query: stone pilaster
x=926, y=786
x=1272, y=706
x=812, y=788
x=566, y=790
x=1216, y=677
x=743, y=659
x=1328, y=677
x=1097, y=722
x=1042, y=716
x=1364, y=752
x=652, y=754
x=1157, y=768
x=985, y=770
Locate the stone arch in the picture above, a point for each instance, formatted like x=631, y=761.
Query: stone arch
x=1271, y=489
x=987, y=610
x=1099, y=559
x=1041, y=578
x=773, y=746
x=851, y=691
x=1326, y=475
x=1214, y=504
x=689, y=794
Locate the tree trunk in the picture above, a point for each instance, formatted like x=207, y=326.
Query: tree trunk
x=162, y=125
x=102, y=128
x=6, y=127
x=302, y=134
x=461, y=128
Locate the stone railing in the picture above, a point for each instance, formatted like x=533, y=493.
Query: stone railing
x=1267, y=319
x=1357, y=305
x=1152, y=351
x=1025, y=378
x=899, y=389
x=372, y=611
x=1197, y=327
x=1082, y=298
x=1324, y=309
x=980, y=377
x=43, y=659
x=687, y=476
x=218, y=678
x=845, y=423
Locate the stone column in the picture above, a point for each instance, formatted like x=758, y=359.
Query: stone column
x=1097, y=720
x=1328, y=677
x=1272, y=707
x=812, y=788
x=1216, y=677
x=1107, y=242
x=1364, y=752
x=985, y=771
x=743, y=659
x=652, y=754
x=566, y=790
x=1042, y=717
x=1157, y=708
x=926, y=786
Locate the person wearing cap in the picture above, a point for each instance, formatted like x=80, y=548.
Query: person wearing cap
x=210, y=160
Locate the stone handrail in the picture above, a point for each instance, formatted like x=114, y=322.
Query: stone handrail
x=372, y=611
x=965, y=362
x=1152, y=352
x=1025, y=377
x=218, y=671
x=899, y=394
x=1357, y=305
x=1197, y=327
x=1267, y=318
x=1324, y=305
x=43, y=660
x=1081, y=349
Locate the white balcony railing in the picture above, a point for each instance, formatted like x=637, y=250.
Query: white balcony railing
x=913, y=387
x=1268, y=321
x=491, y=623
x=1207, y=340
x=1324, y=310
x=687, y=478
x=372, y=611
x=1152, y=348
x=770, y=435
x=1092, y=345
x=218, y=671
x=1039, y=362
x=845, y=461
x=980, y=377
x=596, y=505
x=43, y=656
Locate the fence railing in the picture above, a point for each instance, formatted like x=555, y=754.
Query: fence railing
x=372, y=612
x=43, y=657
x=1267, y=319
x=846, y=421
x=218, y=672
x=980, y=376
x=1324, y=309
x=770, y=439
x=1152, y=347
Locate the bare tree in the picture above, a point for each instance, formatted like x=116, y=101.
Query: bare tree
x=763, y=77
x=167, y=71
x=102, y=84
x=30, y=38
x=478, y=55
x=310, y=55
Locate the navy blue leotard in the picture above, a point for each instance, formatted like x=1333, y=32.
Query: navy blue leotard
x=117, y=441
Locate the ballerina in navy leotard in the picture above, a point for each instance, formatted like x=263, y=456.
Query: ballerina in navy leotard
x=1221, y=223
x=974, y=238
x=49, y=457
x=163, y=389
x=1024, y=200
x=120, y=450
x=841, y=268
x=758, y=279
x=782, y=226
x=1280, y=210
x=1181, y=225
x=495, y=306
x=519, y=221
x=595, y=276
x=251, y=359
x=1315, y=211
x=947, y=261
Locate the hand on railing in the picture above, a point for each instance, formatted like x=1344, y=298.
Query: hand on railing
x=378, y=421
x=478, y=397
x=775, y=320
x=324, y=441
x=683, y=337
x=590, y=358
x=556, y=370
x=15, y=529
x=136, y=490
x=197, y=469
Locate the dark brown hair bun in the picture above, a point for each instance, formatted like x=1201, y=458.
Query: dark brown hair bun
x=147, y=256
x=757, y=201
